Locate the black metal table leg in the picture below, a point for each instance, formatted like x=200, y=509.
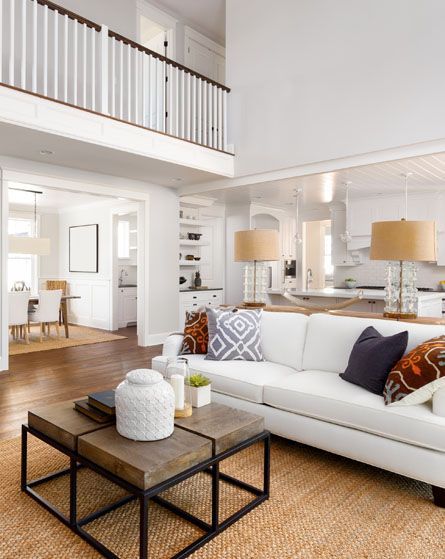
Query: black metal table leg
x=266, y=470
x=73, y=491
x=24, y=458
x=215, y=496
x=143, y=527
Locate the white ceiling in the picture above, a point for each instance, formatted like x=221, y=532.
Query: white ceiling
x=206, y=16
x=26, y=143
x=370, y=180
x=51, y=199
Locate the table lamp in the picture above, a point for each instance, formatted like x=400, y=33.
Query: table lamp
x=402, y=243
x=256, y=247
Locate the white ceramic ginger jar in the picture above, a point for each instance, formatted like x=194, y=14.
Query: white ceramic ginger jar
x=145, y=406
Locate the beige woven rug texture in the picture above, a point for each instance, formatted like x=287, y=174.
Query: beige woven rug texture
x=322, y=506
x=79, y=335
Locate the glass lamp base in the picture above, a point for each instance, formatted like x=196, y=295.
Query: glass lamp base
x=255, y=284
x=401, y=291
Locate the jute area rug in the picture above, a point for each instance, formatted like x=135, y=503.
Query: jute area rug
x=79, y=335
x=322, y=506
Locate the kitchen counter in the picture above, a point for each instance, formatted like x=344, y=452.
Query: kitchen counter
x=377, y=294
x=189, y=290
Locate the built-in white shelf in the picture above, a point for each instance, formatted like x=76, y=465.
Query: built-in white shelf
x=133, y=248
x=192, y=222
x=190, y=262
x=133, y=230
x=187, y=243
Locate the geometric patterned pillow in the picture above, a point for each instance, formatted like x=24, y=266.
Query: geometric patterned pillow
x=415, y=378
x=196, y=334
x=234, y=335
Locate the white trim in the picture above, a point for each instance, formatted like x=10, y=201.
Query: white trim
x=160, y=17
x=370, y=158
x=190, y=33
x=157, y=339
x=4, y=357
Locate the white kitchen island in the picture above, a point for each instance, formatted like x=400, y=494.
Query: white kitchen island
x=429, y=302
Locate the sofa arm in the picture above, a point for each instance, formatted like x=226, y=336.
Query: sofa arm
x=439, y=402
x=172, y=345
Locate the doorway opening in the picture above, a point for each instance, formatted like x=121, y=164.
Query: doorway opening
x=317, y=267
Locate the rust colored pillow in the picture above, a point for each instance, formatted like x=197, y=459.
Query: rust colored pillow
x=196, y=333
x=415, y=378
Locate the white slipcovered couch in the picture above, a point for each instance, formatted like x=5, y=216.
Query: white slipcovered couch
x=299, y=392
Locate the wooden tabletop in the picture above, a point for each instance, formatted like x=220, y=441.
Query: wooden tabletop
x=63, y=423
x=144, y=464
x=35, y=298
x=224, y=426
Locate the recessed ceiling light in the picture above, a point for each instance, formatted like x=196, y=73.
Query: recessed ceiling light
x=123, y=199
x=176, y=179
x=257, y=197
x=46, y=152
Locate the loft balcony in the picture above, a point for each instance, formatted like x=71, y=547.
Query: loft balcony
x=64, y=78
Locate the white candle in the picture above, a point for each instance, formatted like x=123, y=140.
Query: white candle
x=177, y=382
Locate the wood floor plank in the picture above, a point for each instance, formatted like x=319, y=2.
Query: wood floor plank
x=45, y=377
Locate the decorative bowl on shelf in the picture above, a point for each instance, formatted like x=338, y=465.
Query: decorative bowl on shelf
x=197, y=258
x=194, y=236
x=189, y=257
x=182, y=280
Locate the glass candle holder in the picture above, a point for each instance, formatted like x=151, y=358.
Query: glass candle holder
x=178, y=374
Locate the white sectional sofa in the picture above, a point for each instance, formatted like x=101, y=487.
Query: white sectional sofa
x=299, y=392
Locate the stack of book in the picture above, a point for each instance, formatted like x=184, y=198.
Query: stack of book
x=99, y=406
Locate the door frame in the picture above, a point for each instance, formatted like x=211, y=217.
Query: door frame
x=161, y=18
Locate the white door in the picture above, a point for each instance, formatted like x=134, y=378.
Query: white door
x=199, y=58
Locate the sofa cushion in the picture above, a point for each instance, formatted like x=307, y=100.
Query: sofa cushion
x=241, y=379
x=372, y=358
x=325, y=396
x=196, y=333
x=282, y=337
x=330, y=338
x=234, y=335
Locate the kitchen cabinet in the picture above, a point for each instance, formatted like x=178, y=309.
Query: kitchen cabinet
x=287, y=238
x=127, y=306
x=341, y=255
x=193, y=300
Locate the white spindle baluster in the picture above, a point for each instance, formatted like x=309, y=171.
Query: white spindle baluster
x=214, y=117
x=159, y=94
x=93, y=69
x=129, y=77
x=210, y=114
x=163, y=97
x=11, y=41
x=102, y=35
x=45, y=50
x=84, y=64
x=121, y=80
x=75, y=62
x=56, y=54
x=23, y=53
x=65, y=58
x=152, y=88
x=176, y=103
x=182, y=104
x=220, y=127
x=144, y=88
x=193, y=78
x=224, y=143
x=34, y=46
x=199, y=111
x=205, y=118
x=113, y=77
x=189, y=106
x=170, y=97
x=136, y=85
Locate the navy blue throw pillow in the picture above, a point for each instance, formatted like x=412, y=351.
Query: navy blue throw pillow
x=372, y=358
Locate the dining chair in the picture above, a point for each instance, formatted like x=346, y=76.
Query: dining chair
x=58, y=284
x=18, y=302
x=47, y=311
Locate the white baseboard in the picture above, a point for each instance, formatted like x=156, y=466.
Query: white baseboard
x=157, y=339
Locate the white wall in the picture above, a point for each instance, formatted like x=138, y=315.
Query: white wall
x=49, y=228
x=317, y=80
x=237, y=219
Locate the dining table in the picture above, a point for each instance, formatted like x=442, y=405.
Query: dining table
x=34, y=300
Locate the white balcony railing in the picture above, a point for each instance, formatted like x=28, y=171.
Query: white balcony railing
x=54, y=53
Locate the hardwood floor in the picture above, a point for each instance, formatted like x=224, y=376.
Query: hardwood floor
x=63, y=374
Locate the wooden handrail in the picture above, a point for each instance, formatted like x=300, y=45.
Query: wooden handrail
x=63, y=11
x=165, y=59
x=125, y=40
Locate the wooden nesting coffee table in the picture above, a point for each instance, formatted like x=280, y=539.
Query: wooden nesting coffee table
x=145, y=469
